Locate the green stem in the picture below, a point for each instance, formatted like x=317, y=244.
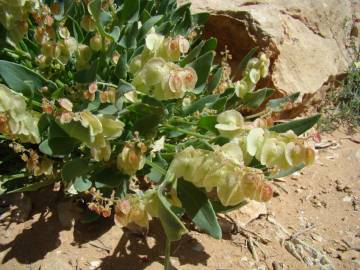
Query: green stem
x=155, y=166
x=18, y=52
x=107, y=84
x=262, y=113
x=167, y=265
x=33, y=102
x=189, y=132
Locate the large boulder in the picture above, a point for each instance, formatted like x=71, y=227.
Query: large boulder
x=310, y=42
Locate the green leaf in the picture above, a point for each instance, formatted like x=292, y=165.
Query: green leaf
x=124, y=87
x=22, y=79
x=87, y=75
x=75, y=130
x=202, y=66
x=200, y=18
x=115, y=33
x=184, y=26
x=215, y=80
x=147, y=116
x=244, y=61
x=154, y=175
x=57, y=147
x=58, y=143
x=75, y=168
x=164, y=28
x=219, y=104
x=128, y=38
x=199, y=144
x=221, y=140
x=255, y=99
x=110, y=178
x=44, y=123
x=166, y=6
x=298, y=126
x=121, y=66
x=130, y=11
x=200, y=104
x=275, y=104
x=219, y=208
x=192, y=54
x=172, y=225
x=288, y=171
x=210, y=45
x=180, y=12
x=82, y=184
x=34, y=186
x=147, y=26
x=144, y=14
x=208, y=122
x=90, y=217
x=77, y=31
x=102, y=18
x=198, y=208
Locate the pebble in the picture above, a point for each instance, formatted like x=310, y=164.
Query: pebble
x=347, y=199
x=94, y=264
x=198, y=247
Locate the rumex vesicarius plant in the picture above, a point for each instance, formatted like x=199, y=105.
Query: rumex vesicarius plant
x=122, y=101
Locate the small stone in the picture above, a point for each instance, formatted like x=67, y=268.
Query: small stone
x=316, y=237
x=56, y=262
x=347, y=199
x=251, y=211
x=244, y=259
x=327, y=267
x=94, y=264
x=198, y=247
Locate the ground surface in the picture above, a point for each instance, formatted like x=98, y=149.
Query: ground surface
x=320, y=208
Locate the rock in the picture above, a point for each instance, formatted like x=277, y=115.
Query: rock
x=56, y=262
x=18, y=207
x=94, y=264
x=248, y=213
x=68, y=213
x=310, y=42
x=349, y=255
x=347, y=199
x=198, y=247
x=316, y=237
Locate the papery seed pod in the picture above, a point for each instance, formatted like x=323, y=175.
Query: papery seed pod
x=16, y=121
x=88, y=96
x=64, y=32
x=55, y=8
x=106, y=211
x=83, y=56
x=131, y=159
x=88, y=23
x=96, y=43
x=41, y=60
x=132, y=209
x=256, y=69
x=217, y=170
x=115, y=57
x=40, y=35
x=230, y=123
x=278, y=151
x=101, y=153
x=66, y=104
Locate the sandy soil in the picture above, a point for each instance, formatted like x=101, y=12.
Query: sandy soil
x=318, y=208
